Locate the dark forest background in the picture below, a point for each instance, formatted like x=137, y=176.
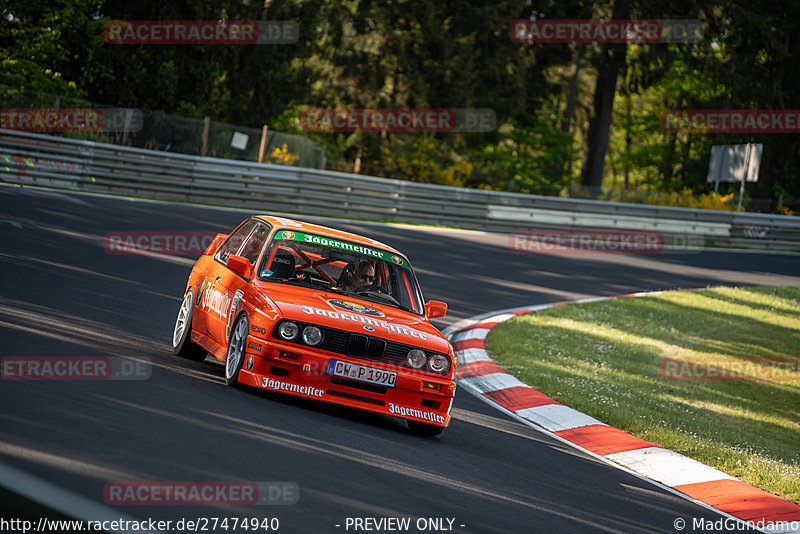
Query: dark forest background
x=449, y=54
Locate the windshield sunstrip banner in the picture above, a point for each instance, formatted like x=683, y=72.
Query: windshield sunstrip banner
x=291, y=235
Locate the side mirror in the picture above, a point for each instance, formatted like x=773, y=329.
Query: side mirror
x=435, y=308
x=214, y=245
x=239, y=265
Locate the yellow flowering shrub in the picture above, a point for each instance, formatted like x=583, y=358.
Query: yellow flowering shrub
x=419, y=165
x=282, y=156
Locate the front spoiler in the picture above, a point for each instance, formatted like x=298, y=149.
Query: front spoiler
x=307, y=378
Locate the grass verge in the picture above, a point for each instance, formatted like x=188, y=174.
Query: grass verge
x=622, y=362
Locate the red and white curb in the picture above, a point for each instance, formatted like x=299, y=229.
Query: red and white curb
x=707, y=486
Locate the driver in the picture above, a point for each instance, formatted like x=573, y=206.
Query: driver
x=359, y=275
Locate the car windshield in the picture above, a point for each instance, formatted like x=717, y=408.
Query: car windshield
x=341, y=266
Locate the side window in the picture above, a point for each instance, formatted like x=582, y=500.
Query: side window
x=253, y=245
x=231, y=246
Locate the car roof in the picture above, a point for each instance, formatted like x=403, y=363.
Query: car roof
x=302, y=226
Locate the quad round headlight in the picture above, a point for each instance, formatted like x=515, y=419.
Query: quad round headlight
x=312, y=335
x=416, y=359
x=439, y=363
x=288, y=330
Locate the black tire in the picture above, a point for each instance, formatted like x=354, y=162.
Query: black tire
x=235, y=356
x=181, y=335
x=424, y=429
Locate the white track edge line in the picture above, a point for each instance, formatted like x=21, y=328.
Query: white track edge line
x=65, y=501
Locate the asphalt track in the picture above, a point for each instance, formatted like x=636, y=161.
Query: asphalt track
x=62, y=295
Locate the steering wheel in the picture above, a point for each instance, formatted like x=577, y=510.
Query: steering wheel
x=371, y=287
x=376, y=291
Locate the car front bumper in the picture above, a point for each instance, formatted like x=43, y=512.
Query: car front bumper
x=298, y=371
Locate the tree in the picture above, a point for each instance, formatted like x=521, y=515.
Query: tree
x=50, y=46
x=611, y=60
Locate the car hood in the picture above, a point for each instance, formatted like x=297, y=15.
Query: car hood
x=355, y=315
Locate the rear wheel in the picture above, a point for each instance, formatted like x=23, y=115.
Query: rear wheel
x=236, y=349
x=181, y=336
x=424, y=429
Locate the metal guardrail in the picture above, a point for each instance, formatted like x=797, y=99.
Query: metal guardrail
x=63, y=163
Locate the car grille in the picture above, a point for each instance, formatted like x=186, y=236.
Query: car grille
x=354, y=397
x=366, y=347
x=358, y=385
x=361, y=346
x=334, y=340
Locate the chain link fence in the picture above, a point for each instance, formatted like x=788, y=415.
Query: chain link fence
x=153, y=130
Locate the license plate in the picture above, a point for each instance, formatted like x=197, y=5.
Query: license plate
x=370, y=375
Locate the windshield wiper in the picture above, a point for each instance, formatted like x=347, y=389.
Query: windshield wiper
x=378, y=294
x=371, y=298
x=382, y=298
x=300, y=282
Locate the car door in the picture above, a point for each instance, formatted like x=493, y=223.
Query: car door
x=210, y=297
x=228, y=286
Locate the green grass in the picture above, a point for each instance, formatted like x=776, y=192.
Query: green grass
x=604, y=359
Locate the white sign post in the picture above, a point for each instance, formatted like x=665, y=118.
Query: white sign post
x=734, y=163
x=239, y=140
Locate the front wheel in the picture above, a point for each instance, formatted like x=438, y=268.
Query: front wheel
x=424, y=429
x=181, y=336
x=236, y=349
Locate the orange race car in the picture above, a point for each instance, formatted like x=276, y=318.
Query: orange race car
x=307, y=310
